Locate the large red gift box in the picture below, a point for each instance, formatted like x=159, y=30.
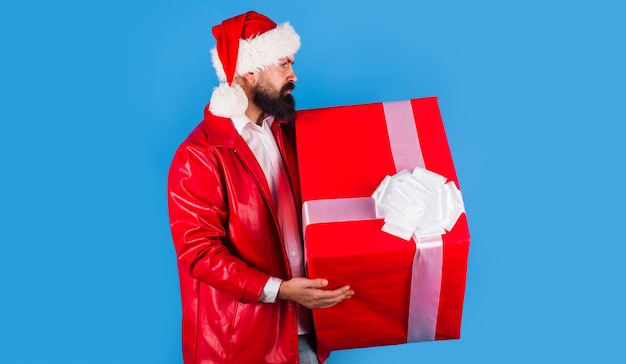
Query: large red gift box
x=402, y=293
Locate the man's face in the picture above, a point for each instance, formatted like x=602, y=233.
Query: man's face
x=273, y=90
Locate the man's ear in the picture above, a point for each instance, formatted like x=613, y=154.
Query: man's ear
x=250, y=77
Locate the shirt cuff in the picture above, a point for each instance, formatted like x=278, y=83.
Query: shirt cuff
x=270, y=291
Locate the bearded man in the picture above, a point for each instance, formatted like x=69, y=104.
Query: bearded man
x=234, y=206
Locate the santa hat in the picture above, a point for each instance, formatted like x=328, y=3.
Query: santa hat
x=246, y=43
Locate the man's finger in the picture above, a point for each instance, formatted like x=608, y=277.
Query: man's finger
x=331, y=302
x=337, y=292
x=330, y=298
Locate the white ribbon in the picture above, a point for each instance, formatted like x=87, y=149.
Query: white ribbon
x=417, y=204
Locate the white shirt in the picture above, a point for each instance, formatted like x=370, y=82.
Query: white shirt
x=260, y=140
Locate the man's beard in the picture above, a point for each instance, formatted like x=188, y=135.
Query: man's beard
x=281, y=105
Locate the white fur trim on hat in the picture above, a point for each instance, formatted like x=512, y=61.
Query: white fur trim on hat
x=228, y=101
x=266, y=49
x=261, y=51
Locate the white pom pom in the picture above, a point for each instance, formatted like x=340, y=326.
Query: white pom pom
x=228, y=101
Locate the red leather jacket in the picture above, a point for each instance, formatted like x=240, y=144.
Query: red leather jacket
x=228, y=244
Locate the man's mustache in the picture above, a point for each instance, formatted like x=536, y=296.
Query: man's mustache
x=288, y=87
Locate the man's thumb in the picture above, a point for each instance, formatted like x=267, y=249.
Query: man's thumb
x=321, y=283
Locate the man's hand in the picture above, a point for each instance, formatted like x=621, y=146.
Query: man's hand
x=309, y=292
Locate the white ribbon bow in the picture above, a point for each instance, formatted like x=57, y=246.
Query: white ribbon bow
x=417, y=204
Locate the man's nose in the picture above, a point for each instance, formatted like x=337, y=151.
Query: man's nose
x=292, y=76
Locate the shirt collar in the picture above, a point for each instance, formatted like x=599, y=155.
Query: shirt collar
x=240, y=122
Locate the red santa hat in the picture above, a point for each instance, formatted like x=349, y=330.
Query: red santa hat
x=246, y=43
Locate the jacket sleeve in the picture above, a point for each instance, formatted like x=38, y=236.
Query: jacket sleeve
x=198, y=214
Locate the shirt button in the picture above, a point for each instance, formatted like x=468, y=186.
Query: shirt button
x=293, y=254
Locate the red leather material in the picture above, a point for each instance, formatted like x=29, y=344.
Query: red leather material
x=225, y=233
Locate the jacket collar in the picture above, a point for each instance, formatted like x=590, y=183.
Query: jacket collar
x=223, y=132
x=220, y=131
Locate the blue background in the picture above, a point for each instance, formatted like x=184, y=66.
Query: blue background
x=95, y=97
